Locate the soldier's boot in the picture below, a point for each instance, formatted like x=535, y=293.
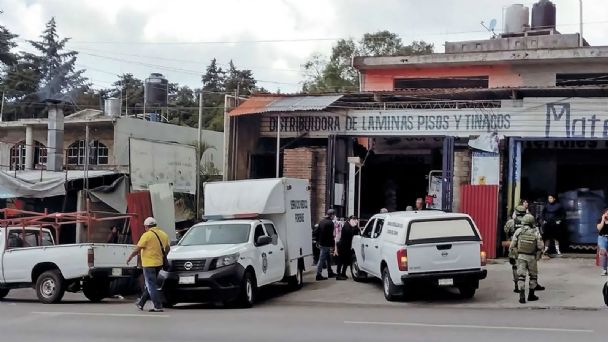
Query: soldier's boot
x=516, y=288
x=539, y=287
x=531, y=296
x=522, y=296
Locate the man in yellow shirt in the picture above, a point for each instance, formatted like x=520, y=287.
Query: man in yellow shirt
x=153, y=246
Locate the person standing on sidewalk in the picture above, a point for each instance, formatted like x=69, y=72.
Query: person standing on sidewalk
x=602, y=241
x=344, y=246
x=153, y=247
x=326, y=243
x=553, y=213
x=527, y=246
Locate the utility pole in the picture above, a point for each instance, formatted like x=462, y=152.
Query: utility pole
x=580, y=18
x=278, y=166
x=199, y=148
x=2, y=107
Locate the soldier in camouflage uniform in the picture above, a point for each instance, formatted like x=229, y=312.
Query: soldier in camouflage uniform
x=510, y=227
x=527, y=247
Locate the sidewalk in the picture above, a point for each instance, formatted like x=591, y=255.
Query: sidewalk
x=572, y=283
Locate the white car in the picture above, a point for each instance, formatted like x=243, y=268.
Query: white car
x=420, y=247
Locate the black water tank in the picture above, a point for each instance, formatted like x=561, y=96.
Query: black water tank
x=156, y=90
x=543, y=15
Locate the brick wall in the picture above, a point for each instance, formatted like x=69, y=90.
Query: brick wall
x=311, y=164
x=462, y=174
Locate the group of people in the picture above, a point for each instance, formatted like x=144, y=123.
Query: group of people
x=334, y=238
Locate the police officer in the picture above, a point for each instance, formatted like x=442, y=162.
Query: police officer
x=527, y=247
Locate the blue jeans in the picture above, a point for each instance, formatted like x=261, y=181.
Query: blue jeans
x=324, y=259
x=602, y=244
x=151, y=290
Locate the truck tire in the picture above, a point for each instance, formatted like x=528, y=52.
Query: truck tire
x=96, y=289
x=4, y=293
x=296, y=282
x=392, y=292
x=355, y=272
x=50, y=287
x=248, y=290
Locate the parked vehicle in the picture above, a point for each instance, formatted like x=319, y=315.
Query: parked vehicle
x=30, y=258
x=258, y=233
x=420, y=247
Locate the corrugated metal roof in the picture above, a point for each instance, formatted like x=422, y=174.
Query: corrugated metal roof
x=266, y=104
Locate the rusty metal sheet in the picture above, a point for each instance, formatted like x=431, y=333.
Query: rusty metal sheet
x=481, y=203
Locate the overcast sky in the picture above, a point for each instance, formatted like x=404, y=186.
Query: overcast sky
x=179, y=37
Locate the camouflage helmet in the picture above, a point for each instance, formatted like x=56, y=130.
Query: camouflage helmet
x=520, y=210
x=528, y=220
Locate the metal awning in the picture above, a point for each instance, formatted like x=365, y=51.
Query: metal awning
x=266, y=104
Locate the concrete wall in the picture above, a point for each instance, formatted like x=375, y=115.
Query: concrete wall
x=140, y=129
x=462, y=174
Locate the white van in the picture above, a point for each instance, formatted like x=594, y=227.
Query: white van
x=258, y=233
x=424, y=247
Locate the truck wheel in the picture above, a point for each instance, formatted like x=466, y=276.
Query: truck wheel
x=247, y=292
x=356, y=273
x=467, y=291
x=296, y=282
x=4, y=293
x=96, y=289
x=50, y=287
x=392, y=292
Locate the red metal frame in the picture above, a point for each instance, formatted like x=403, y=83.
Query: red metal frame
x=22, y=218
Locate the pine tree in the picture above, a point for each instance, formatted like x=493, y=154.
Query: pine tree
x=131, y=90
x=214, y=77
x=6, y=44
x=57, y=67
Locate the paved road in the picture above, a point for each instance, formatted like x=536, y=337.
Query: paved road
x=23, y=319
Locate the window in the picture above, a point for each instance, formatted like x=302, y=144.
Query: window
x=31, y=238
x=459, y=229
x=98, y=153
x=367, y=232
x=566, y=80
x=216, y=234
x=379, y=225
x=18, y=155
x=442, y=82
x=259, y=231
x=272, y=232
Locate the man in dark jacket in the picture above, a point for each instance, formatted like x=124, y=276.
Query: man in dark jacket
x=345, y=244
x=326, y=242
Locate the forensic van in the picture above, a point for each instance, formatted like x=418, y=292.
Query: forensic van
x=257, y=233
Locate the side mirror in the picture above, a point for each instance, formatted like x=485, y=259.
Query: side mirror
x=173, y=243
x=264, y=240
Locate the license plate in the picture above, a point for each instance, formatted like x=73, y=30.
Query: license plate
x=117, y=272
x=186, y=280
x=446, y=282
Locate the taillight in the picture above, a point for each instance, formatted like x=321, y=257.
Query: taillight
x=402, y=259
x=91, y=258
x=483, y=258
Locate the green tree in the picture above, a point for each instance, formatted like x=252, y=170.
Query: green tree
x=59, y=78
x=335, y=74
x=241, y=81
x=7, y=43
x=131, y=90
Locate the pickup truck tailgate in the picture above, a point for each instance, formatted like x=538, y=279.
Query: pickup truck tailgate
x=443, y=245
x=443, y=257
x=111, y=255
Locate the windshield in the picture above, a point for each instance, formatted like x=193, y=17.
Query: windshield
x=216, y=234
x=442, y=230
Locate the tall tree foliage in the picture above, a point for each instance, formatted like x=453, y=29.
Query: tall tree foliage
x=335, y=74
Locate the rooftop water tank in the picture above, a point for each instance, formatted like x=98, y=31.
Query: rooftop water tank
x=156, y=87
x=516, y=18
x=543, y=15
x=111, y=107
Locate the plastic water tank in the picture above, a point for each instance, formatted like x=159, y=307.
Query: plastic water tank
x=156, y=90
x=516, y=18
x=543, y=15
x=112, y=107
x=583, y=208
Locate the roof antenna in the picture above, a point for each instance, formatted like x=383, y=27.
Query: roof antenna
x=491, y=27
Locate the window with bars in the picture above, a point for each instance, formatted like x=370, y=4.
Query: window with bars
x=18, y=155
x=98, y=153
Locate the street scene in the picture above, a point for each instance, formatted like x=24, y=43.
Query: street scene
x=294, y=171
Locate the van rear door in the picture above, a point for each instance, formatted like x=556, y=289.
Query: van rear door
x=444, y=244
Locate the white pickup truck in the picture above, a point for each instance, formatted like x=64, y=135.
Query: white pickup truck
x=420, y=247
x=29, y=257
x=258, y=233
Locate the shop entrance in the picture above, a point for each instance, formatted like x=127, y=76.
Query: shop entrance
x=574, y=170
x=396, y=170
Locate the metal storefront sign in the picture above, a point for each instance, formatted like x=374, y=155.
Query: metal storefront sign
x=532, y=117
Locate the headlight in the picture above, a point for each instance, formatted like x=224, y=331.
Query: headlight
x=226, y=260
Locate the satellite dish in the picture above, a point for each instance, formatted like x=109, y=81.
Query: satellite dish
x=492, y=24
